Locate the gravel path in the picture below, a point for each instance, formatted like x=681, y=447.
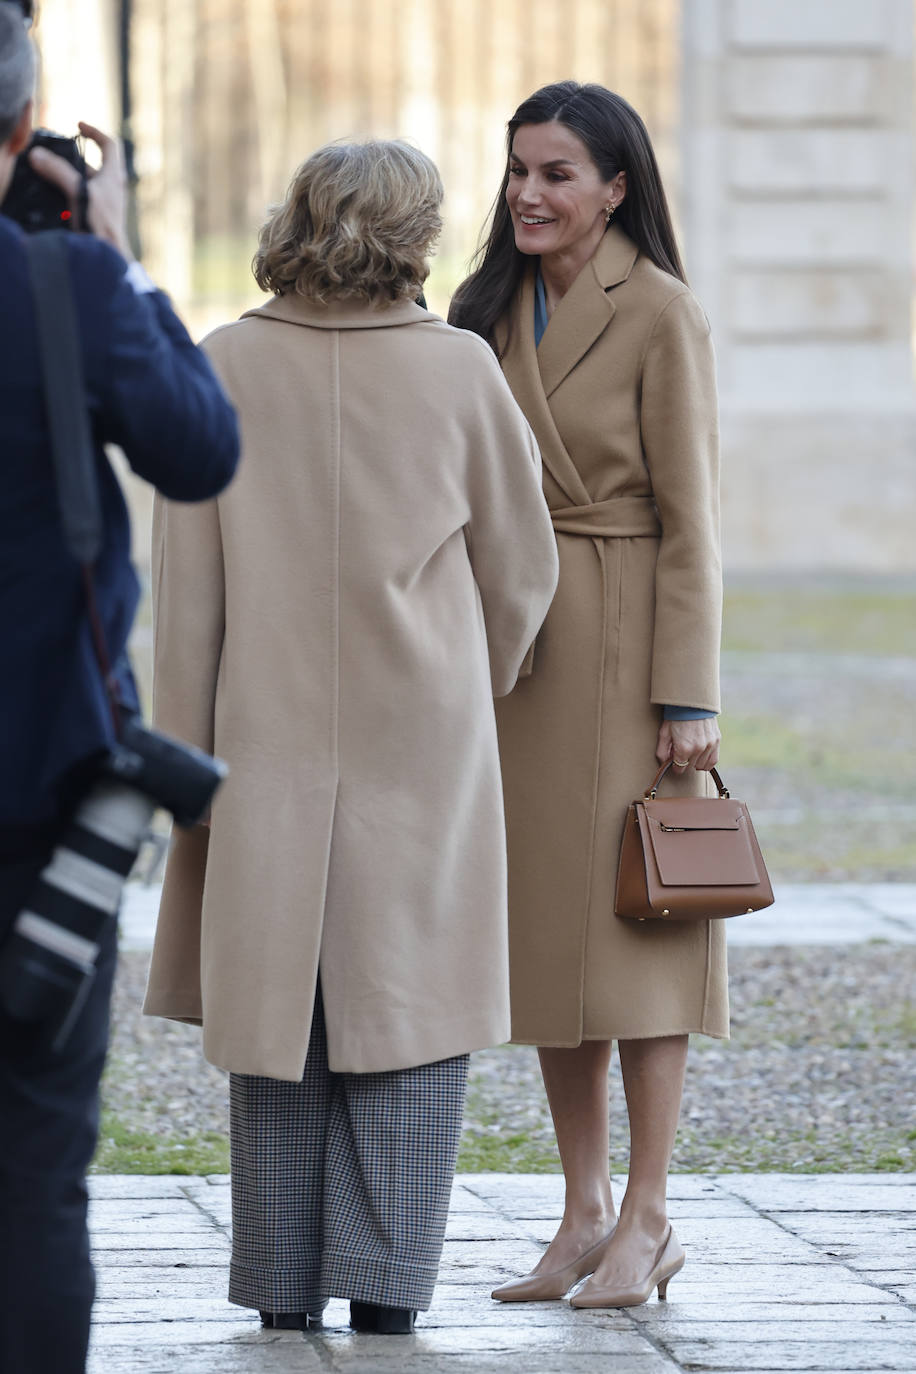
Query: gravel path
x=820, y=1073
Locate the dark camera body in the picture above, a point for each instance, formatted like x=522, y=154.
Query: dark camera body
x=47, y=964
x=34, y=203
x=174, y=775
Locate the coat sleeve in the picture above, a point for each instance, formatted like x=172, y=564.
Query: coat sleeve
x=155, y=393
x=679, y=422
x=188, y=618
x=511, y=542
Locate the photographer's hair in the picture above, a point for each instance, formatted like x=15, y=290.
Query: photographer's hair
x=17, y=68
x=617, y=140
x=358, y=223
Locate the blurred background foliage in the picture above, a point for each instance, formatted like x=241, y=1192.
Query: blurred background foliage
x=225, y=98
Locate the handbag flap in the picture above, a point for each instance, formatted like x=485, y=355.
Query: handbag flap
x=701, y=841
x=696, y=813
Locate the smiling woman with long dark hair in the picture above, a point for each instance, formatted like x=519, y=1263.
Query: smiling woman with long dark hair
x=605, y=125
x=580, y=291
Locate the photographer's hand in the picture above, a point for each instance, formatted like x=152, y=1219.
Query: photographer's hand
x=107, y=214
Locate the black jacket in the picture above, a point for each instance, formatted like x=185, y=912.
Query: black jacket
x=151, y=391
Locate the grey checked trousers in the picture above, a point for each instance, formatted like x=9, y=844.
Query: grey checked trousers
x=341, y=1183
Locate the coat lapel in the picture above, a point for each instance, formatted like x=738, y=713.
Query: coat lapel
x=581, y=317
x=520, y=367
x=586, y=310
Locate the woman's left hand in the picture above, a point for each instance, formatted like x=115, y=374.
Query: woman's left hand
x=689, y=743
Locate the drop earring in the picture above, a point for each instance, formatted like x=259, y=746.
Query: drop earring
x=609, y=213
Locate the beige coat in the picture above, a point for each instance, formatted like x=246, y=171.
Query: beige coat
x=335, y=626
x=621, y=397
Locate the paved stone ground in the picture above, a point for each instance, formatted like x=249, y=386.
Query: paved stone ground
x=783, y=1273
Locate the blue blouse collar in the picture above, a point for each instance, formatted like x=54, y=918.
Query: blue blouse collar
x=540, y=308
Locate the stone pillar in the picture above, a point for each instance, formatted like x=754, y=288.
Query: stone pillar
x=797, y=199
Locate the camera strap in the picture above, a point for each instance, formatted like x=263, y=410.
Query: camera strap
x=68, y=420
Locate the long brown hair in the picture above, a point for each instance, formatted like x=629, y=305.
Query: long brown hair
x=617, y=140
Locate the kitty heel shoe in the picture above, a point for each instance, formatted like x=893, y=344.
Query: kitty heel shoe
x=668, y=1262
x=555, y=1285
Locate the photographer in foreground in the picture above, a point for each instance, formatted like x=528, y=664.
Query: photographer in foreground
x=149, y=390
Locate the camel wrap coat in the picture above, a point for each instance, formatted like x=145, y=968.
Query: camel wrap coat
x=621, y=396
x=335, y=626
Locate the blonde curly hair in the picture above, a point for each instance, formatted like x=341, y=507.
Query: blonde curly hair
x=359, y=222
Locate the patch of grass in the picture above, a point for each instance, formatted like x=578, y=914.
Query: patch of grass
x=763, y=742
x=818, y=849
x=889, y=1164
x=811, y=618
x=831, y=779
x=511, y=1154
x=903, y=1028
x=798, y=1152
x=830, y=748
x=793, y=1152
x=822, y=755
x=497, y=1141
x=122, y=1150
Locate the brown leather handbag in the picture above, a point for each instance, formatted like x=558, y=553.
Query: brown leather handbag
x=690, y=858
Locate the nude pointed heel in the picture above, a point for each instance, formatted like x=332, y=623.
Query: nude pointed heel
x=668, y=1262
x=555, y=1285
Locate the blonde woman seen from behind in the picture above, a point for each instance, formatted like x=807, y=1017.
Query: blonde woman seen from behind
x=336, y=627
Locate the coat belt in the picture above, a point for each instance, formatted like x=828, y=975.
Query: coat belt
x=623, y=517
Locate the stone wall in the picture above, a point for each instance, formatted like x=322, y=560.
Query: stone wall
x=797, y=208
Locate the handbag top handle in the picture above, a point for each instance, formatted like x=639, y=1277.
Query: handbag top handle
x=652, y=789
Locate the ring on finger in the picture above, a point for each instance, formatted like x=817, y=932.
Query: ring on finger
x=680, y=763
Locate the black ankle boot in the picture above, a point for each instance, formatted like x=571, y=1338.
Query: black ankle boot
x=291, y=1321
x=387, y=1321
